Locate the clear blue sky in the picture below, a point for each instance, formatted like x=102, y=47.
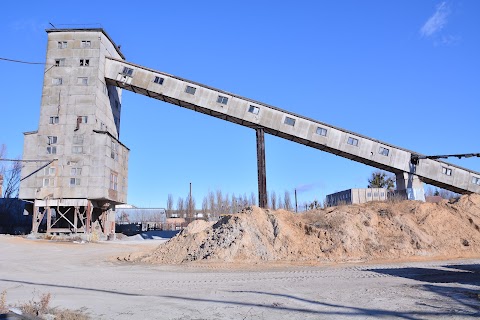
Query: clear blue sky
x=404, y=72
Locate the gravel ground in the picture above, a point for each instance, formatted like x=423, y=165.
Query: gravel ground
x=87, y=276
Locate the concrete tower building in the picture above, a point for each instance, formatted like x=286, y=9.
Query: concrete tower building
x=79, y=132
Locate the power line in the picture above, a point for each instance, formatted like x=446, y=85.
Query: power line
x=20, y=61
x=19, y=160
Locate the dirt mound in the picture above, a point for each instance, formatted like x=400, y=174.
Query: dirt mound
x=372, y=231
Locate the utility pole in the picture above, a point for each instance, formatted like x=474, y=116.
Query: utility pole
x=296, y=205
x=190, y=203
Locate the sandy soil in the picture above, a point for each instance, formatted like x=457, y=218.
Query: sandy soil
x=88, y=276
x=365, y=232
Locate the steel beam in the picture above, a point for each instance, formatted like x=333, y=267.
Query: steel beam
x=261, y=167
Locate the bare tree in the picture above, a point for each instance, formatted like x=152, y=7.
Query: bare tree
x=234, y=204
x=253, y=199
x=169, y=204
x=205, y=206
x=211, y=205
x=280, y=202
x=287, y=202
x=219, y=202
x=180, y=207
x=10, y=174
x=273, y=200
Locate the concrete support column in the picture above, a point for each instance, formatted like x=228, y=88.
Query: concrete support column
x=261, y=167
x=409, y=185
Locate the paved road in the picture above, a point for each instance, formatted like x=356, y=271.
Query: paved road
x=85, y=276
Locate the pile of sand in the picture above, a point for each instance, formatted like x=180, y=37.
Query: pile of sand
x=372, y=231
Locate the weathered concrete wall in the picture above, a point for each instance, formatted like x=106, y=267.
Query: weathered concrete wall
x=81, y=115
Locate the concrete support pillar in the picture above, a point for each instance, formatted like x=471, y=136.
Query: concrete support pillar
x=410, y=186
x=261, y=167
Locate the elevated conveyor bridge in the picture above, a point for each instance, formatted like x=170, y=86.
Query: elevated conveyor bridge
x=269, y=119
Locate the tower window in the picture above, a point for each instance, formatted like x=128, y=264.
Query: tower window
x=77, y=149
x=476, y=180
x=57, y=81
x=82, y=81
x=85, y=44
x=59, y=62
x=62, y=44
x=51, y=150
x=76, y=171
x=50, y=171
x=52, y=140
x=53, y=120
x=48, y=182
x=84, y=62
x=74, y=182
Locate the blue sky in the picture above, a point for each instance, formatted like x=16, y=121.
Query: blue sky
x=404, y=72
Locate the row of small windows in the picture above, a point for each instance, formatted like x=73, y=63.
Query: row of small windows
x=83, y=44
x=56, y=119
x=81, y=63
x=375, y=194
x=50, y=182
x=80, y=81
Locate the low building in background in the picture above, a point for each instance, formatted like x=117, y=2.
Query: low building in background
x=353, y=196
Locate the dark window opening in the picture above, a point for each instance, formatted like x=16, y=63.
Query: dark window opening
x=289, y=121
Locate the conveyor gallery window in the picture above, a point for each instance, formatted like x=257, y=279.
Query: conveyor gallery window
x=254, y=110
x=62, y=44
x=322, y=131
x=447, y=171
x=383, y=151
x=127, y=71
x=59, y=62
x=352, y=141
x=190, y=90
x=84, y=62
x=51, y=150
x=54, y=120
x=85, y=44
x=289, y=121
x=476, y=180
x=158, y=80
x=52, y=139
x=74, y=182
x=57, y=81
x=222, y=100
